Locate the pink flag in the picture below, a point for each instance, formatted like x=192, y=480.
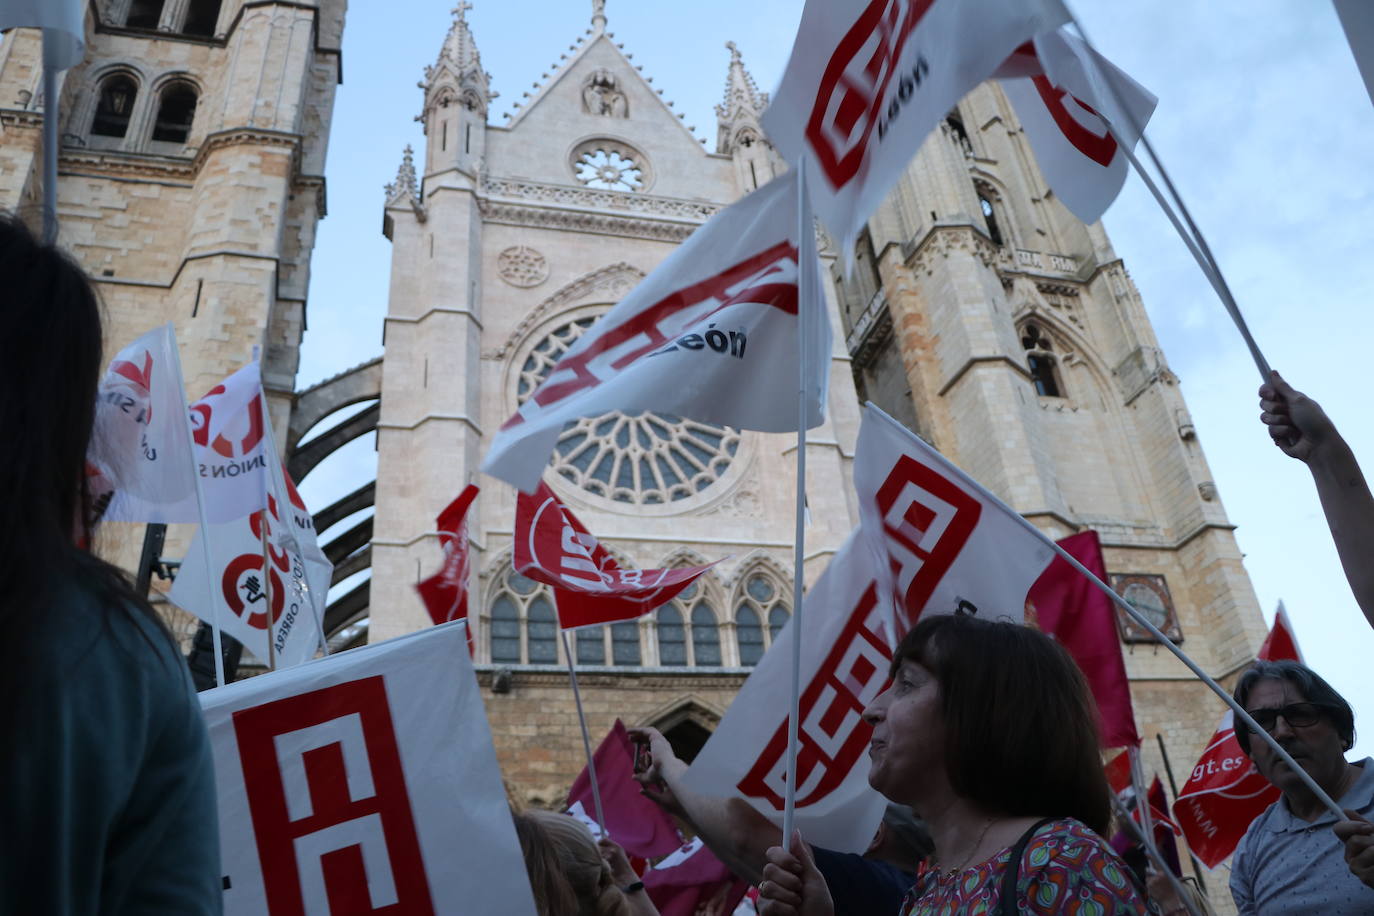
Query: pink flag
x=552, y=546
x=1064, y=97
x=637, y=824
x=446, y=592
x=1065, y=604
x=711, y=334
x=693, y=882
x=869, y=79
x=1225, y=792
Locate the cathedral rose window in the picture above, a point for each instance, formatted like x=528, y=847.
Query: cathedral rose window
x=608, y=170
x=645, y=459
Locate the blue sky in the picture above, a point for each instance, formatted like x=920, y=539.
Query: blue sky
x=1263, y=123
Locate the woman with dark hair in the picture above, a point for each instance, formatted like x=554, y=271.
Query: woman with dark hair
x=107, y=797
x=989, y=733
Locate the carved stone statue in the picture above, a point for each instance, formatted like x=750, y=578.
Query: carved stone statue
x=601, y=95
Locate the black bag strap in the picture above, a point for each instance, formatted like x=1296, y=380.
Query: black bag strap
x=1007, y=898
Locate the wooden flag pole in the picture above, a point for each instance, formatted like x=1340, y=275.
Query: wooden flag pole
x=799, y=542
x=204, y=523
x=586, y=736
x=1130, y=610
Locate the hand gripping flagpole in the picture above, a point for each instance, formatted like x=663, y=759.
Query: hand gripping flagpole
x=204, y=525
x=586, y=736
x=1241, y=714
x=799, y=546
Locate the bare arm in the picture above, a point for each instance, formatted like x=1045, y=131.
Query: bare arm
x=738, y=834
x=624, y=876
x=1302, y=430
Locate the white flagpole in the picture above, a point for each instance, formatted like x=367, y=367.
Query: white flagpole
x=799, y=545
x=204, y=523
x=49, y=149
x=1148, y=843
x=586, y=737
x=1142, y=796
x=1153, y=630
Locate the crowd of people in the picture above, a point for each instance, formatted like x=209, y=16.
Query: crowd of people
x=985, y=743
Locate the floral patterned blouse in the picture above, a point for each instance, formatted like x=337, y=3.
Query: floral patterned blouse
x=1066, y=869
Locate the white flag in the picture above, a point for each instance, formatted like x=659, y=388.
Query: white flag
x=941, y=543
x=64, y=38
x=364, y=782
x=292, y=583
x=869, y=79
x=139, y=443
x=1066, y=121
x=845, y=659
x=711, y=334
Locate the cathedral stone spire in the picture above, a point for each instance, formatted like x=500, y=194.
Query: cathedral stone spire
x=738, y=113
x=460, y=47
x=406, y=188
x=458, y=67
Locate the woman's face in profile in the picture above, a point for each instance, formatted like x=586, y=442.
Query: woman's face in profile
x=908, y=745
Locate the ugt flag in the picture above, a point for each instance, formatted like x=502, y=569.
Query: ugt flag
x=869, y=79
x=1065, y=106
x=139, y=446
x=845, y=658
x=282, y=592
x=445, y=593
x=942, y=544
x=64, y=29
x=711, y=334
x=364, y=782
x=553, y=547
x=1225, y=792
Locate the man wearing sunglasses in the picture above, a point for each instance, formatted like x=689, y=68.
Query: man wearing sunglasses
x=1290, y=860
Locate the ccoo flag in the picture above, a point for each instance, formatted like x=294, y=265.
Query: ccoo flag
x=869, y=79
x=1066, y=117
x=711, y=334
x=553, y=547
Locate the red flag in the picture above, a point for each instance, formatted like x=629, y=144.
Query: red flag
x=1225, y=792
x=553, y=547
x=693, y=881
x=1065, y=604
x=637, y=824
x=446, y=592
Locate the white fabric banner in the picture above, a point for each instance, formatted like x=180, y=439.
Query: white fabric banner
x=940, y=542
x=844, y=663
x=1073, y=145
x=869, y=79
x=139, y=442
x=294, y=585
x=62, y=21
x=711, y=334
x=364, y=781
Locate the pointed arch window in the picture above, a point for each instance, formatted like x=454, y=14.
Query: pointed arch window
x=522, y=628
x=990, y=218
x=1041, y=361
x=672, y=637
x=688, y=630
x=761, y=611
x=114, y=106
x=176, y=111
x=144, y=14
x=705, y=636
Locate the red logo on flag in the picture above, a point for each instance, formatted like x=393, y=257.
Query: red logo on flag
x=203, y=410
x=1100, y=148
x=329, y=805
x=768, y=278
x=849, y=105
x=927, y=519
x=243, y=582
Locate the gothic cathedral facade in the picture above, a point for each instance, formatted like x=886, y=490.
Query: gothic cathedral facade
x=979, y=311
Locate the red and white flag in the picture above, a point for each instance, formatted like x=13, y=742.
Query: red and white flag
x=289, y=586
x=845, y=659
x=942, y=543
x=230, y=438
x=364, y=782
x=553, y=547
x=1225, y=792
x=711, y=334
x=869, y=79
x=139, y=449
x=445, y=593
x=693, y=882
x=1065, y=104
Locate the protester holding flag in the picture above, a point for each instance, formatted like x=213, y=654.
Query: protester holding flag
x=989, y=732
x=108, y=803
x=740, y=836
x=569, y=873
x=1302, y=430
